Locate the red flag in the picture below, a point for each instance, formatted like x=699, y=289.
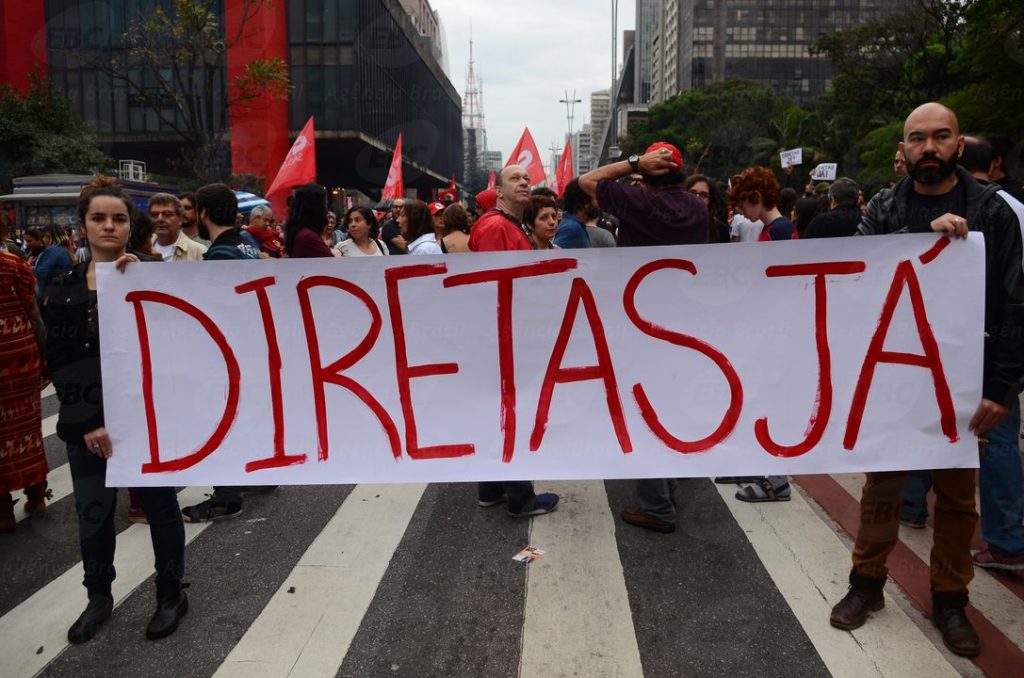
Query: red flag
x=527, y=156
x=394, y=187
x=299, y=167
x=563, y=175
x=451, y=192
x=491, y=180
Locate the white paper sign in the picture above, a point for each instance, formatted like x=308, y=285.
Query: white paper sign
x=792, y=157
x=759, y=358
x=826, y=171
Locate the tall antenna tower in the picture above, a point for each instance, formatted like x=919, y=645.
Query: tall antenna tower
x=472, y=106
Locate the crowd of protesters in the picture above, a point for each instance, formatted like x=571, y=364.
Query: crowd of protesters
x=943, y=182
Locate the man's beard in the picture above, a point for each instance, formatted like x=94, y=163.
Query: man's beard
x=204, y=232
x=931, y=175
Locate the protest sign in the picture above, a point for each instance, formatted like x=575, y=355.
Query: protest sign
x=792, y=158
x=815, y=356
x=826, y=171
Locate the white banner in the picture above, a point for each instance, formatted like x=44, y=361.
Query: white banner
x=826, y=171
x=816, y=356
x=792, y=157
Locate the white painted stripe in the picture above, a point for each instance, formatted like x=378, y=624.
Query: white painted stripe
x=48, y=391
x=578, y=621
x=35, y=632
x=308, y=632
x=988, y=595
x=809, y=565
x=49, y=426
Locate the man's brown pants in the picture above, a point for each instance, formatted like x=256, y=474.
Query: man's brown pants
x=956, y=516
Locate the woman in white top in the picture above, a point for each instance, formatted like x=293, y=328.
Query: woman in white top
x=418, y=228
x=361, y=225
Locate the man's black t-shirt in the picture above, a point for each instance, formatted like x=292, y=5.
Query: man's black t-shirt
x=1012, y=186
x=390, y=230
x=922, y=210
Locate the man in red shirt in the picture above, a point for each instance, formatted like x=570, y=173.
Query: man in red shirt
x=498, y=230
x=501, y=229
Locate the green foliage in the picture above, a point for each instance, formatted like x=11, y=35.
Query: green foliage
x=714, y=126
x=40, y=133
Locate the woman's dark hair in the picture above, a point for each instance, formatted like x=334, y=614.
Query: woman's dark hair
x=806, y=209
x=455, y=218
x=100, y=186
x=715, y=204
x=308, y=209
x=368, y=215
x=420, y=221
x=140, y=234
x=537, y=203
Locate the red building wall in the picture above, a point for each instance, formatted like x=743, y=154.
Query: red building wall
x=20, y=18
x=259, y=133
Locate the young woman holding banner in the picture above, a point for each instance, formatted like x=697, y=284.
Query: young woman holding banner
x=73, y=359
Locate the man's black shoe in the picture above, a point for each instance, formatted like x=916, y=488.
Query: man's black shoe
x=170, y=608
x=96, y=613
x=852, y=611
x=957, y=632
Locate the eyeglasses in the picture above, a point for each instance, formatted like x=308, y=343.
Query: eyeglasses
x=166, y=214
x=703, y=194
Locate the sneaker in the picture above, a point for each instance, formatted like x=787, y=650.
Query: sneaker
x=488, y=503
x=635, y=516
x=209, y=510
x=542, y=503
x=136, y=515
x=998, y=561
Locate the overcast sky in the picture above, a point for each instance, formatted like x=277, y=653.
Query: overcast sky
x=528, y=53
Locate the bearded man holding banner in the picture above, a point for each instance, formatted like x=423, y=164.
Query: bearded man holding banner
x=501, y=228
x=941, y=197
x=657, y=212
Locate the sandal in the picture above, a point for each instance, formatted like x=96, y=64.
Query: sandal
x=763, y=491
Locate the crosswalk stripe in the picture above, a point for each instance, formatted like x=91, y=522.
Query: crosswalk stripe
x=49, y=426
x=988, y=596
x=48, y=391
x=578, y=621
x=35, y=632
x=809, y=564
x=308, y=625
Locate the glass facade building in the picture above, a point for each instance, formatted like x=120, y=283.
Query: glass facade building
x=359, y=67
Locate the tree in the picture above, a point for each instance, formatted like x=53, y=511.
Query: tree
x=174, y=64
x=715, y=126
x=41, y=133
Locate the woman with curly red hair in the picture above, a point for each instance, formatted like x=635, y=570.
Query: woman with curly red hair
x=755, y=193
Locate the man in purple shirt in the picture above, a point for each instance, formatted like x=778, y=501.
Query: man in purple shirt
x=657, y=212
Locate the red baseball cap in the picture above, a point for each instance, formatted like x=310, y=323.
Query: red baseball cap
x=677, y=157
x=436, y=207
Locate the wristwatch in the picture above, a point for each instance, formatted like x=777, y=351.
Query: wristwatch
x=634, y=162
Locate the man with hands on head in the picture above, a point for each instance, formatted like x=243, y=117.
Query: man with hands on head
x=939, y=196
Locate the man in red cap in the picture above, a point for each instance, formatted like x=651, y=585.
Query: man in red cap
x=659, y=211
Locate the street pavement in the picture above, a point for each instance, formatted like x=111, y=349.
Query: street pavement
x=416, y=580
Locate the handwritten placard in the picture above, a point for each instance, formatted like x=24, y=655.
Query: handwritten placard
x=779, y=357
x=792, y=157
